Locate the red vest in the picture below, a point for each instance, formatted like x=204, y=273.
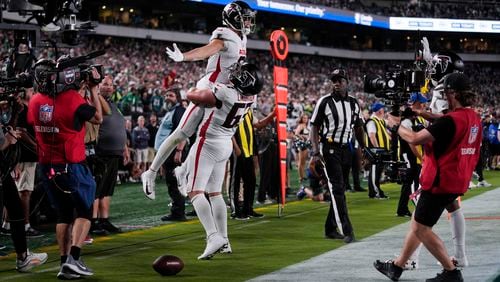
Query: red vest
x=53, y=121
x=451, y=173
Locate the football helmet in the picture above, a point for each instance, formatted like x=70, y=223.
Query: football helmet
x=446, y=62
x=246, y=78
x=46, y=76
x=239, y=16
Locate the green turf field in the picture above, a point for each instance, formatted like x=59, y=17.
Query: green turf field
x=259, y=245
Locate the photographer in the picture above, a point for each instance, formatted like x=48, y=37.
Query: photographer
x=410, y=153
x=58, y=113
x=336, y=117
x=378, y=137
x=452, y=143
x=8, y=192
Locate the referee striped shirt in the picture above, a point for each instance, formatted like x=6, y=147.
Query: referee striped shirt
x=336, y=117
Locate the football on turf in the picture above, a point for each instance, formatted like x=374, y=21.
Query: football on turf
x=168, y=265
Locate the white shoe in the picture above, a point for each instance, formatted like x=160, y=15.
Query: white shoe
x=226, y=249
x=411, y=264
x=180, y=175
x=472, y=185
x=483, y=183
x=148, y=183
x=31, y=260
x=215, y=243
x=50, y=27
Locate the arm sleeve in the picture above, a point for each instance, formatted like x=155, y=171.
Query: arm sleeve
x=83, y=113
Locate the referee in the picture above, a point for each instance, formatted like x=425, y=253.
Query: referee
x=333, y=120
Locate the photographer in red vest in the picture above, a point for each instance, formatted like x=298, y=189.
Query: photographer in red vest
x=58, y=113
x=452, y=148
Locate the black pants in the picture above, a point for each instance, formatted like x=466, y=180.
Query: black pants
x=178, y=208
x=242, y=169
x=356, y=168
x=12, y=202
x=269, y=173
x=338, y=161
x=374, y=176
x=410, y=185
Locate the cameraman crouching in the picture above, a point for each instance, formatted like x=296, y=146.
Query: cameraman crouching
x=58, y=113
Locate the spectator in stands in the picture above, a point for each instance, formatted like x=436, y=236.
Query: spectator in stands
x=140, y=139
x=152, y=127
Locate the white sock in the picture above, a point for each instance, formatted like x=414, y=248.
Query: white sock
x=204, y=213
x=457, y=221
x=166, y=148
x=219, y=211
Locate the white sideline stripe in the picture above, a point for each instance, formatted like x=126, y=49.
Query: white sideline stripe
x=29, y=274
x=354, y=262
x=243, y=226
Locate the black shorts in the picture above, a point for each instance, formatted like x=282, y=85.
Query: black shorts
x=105, y=173
x=495, y=149
x=431, y=206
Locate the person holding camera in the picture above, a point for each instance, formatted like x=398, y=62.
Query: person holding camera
x=452, y=143
x=411, y=154
x=335, y=118
x=26, y=260
x=378, y=137
x=58, y=113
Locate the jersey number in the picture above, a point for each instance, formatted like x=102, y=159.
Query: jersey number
x=234, y=116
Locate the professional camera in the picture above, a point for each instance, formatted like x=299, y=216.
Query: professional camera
x=396, y=85
x=395, y=170
x=23, y=80
x=86, y=73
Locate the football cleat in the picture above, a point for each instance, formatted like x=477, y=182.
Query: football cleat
x=215, y=244
x=148, y=183
x=226, y=249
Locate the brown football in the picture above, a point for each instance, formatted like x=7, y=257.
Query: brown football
x=168, y=265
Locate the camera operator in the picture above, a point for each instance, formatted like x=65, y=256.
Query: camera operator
x=58, y=113
x=410, y=153
x=378, y=137
x=337, y=117
x=26, y=260
x=452, y=143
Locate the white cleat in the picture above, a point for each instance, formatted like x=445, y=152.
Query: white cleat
x=215, y=243
x=226, y=249
x=180, y=175
x=483, y=183
x=148, y=183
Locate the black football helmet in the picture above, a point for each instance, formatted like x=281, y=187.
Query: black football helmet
x=46, y=76
x=246, y=78
x=446, y=62
x=239, y=16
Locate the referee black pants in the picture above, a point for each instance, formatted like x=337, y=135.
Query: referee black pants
x=338, y=161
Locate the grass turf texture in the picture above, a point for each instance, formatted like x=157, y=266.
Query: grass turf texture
x=260, y=246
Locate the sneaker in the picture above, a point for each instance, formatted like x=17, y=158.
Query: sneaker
x=349, y=238
x=448, y=276
x=88, y=240
x=226, y=249
x=32, y=233
x=67, y=274
x=96, y=228
x=108, y=226
x=301, y=194
x=148, y=179
x=180, y=175
x=4, y=231
x=472, y=185
x=170, y=217
x=389, y=269
x=77, y=266
x=483, y=183
x=255, y=214
x=31, y=260
x=215, y=243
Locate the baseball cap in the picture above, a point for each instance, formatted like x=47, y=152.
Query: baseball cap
x=338, y=73
x=456, y=81
x=377, y=106
x=417, y=97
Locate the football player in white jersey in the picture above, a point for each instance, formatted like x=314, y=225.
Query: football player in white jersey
x=226, y=104
x=227, y=46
